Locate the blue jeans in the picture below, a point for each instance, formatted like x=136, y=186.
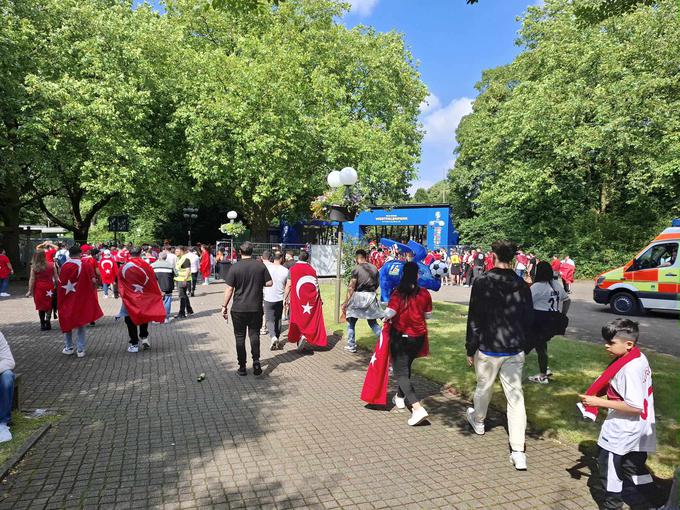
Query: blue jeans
x=351, y=325
x=80, y=339
x=4, y=285
x=106, y=286
x=6, y=396
x=167, y=303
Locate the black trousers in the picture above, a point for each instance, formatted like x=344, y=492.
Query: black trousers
x=54, y=306
x=44, y=318
x=273, y=313
x=627, y=476
x=403, y=351
x=184, y=304
x=194, y=279
x=542, y=351
x=249, y=322
x=132, y=330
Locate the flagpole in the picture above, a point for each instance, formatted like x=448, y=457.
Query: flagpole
x=338, y=276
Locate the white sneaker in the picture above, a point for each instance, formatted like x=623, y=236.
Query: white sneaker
x=399, y=402
x=106, y=296
x=146, y=344
x=302, y=344
x=4, y=294
x=81, y=354
x=274, y=344
x=417, y=416
x=350, y=349
x=167, y=321
x=519, y=460
x=5, y=434
x=477, y=427
x=68, y=351
x=548, y=373
x=539, y=378
x=133, y=348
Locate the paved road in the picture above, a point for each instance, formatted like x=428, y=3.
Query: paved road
x=660, y=330
x=140, y=432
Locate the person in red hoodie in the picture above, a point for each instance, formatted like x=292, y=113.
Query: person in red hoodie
x=108, y=269
x=205, y=264
x=567, y=270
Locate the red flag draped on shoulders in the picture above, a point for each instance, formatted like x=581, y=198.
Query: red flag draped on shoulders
x=140, y=292
x=77, y=295
x=108, y=270
x=306, y=307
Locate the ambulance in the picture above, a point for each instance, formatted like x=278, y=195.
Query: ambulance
x=651, y=281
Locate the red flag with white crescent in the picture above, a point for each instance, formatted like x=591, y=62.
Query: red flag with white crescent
x=374, y=390
x=77, y=295
x=306, y=307
x=140, y=292
x=108, y=270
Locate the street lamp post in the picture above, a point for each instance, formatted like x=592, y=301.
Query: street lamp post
x=346, y=177
x=231, y=215
x=190, y=215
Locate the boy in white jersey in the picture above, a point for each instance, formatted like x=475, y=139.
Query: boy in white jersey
x=628, y=433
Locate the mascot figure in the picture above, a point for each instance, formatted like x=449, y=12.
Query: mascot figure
x=390, y=273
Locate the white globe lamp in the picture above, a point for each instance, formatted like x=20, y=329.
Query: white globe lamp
x=348, y=176
x=232, y=215
x=334, y=179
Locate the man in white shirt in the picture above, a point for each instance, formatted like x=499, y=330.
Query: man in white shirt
x=274, y=297
x=170, y=257
x=195, y=261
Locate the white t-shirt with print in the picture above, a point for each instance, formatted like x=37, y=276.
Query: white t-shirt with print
x=623, y=433
x=279, y=276
x=548, y=298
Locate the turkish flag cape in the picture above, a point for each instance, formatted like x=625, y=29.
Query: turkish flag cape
x=567, y=272
x=108, y=270
x=374, y=390
x=306, y=307
x=140, y=292
x=77, y=296
x=205, y=265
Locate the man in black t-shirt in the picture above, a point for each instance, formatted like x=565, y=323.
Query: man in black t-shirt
x=245, y=283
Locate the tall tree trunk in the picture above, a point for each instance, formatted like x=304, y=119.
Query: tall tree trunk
x=259, y=226
x=80, y=233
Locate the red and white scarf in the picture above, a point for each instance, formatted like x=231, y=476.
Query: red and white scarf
x=601, y=385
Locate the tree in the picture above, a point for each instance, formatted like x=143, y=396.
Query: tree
x=286, y=95
x=574, y=145
x=93, y=107
x=421, y=196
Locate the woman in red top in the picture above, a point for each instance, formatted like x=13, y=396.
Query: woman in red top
x=41, y=285
x=205, y=265
x=408, y=309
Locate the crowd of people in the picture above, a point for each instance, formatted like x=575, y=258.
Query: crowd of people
x=517, y=304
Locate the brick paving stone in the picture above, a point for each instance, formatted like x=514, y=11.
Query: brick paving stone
x=138, y=430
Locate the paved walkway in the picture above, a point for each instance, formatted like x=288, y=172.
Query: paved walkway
x=140, y=432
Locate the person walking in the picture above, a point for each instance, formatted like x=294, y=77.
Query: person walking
x=362, y=301
x=206, y=264
x=499, y=318
x=245, y=283
x=183, y=279
x=108, y=269
x=141, y=300
x=6, y=270
x=407, y=310
x=165, y=272
x=42, y=286
x=274, y=298
x=567, y=270
x=78, y=303
x=551, y=304
x=194, y=260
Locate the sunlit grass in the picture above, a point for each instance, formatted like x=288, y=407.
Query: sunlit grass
x=551, y=409
x=22, y=427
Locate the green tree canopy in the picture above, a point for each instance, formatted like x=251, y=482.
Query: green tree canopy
x=575, y=146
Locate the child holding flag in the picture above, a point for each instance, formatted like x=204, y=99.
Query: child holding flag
x=628, y=433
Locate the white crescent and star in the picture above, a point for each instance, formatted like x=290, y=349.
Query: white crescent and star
x=77, y=262
x=108, y=271
x=49, y=293
x=137, y=287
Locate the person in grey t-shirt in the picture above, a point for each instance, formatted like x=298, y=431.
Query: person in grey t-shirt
x=362, y=301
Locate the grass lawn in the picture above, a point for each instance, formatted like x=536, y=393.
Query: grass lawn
x=22, y=428
x=551, y=409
